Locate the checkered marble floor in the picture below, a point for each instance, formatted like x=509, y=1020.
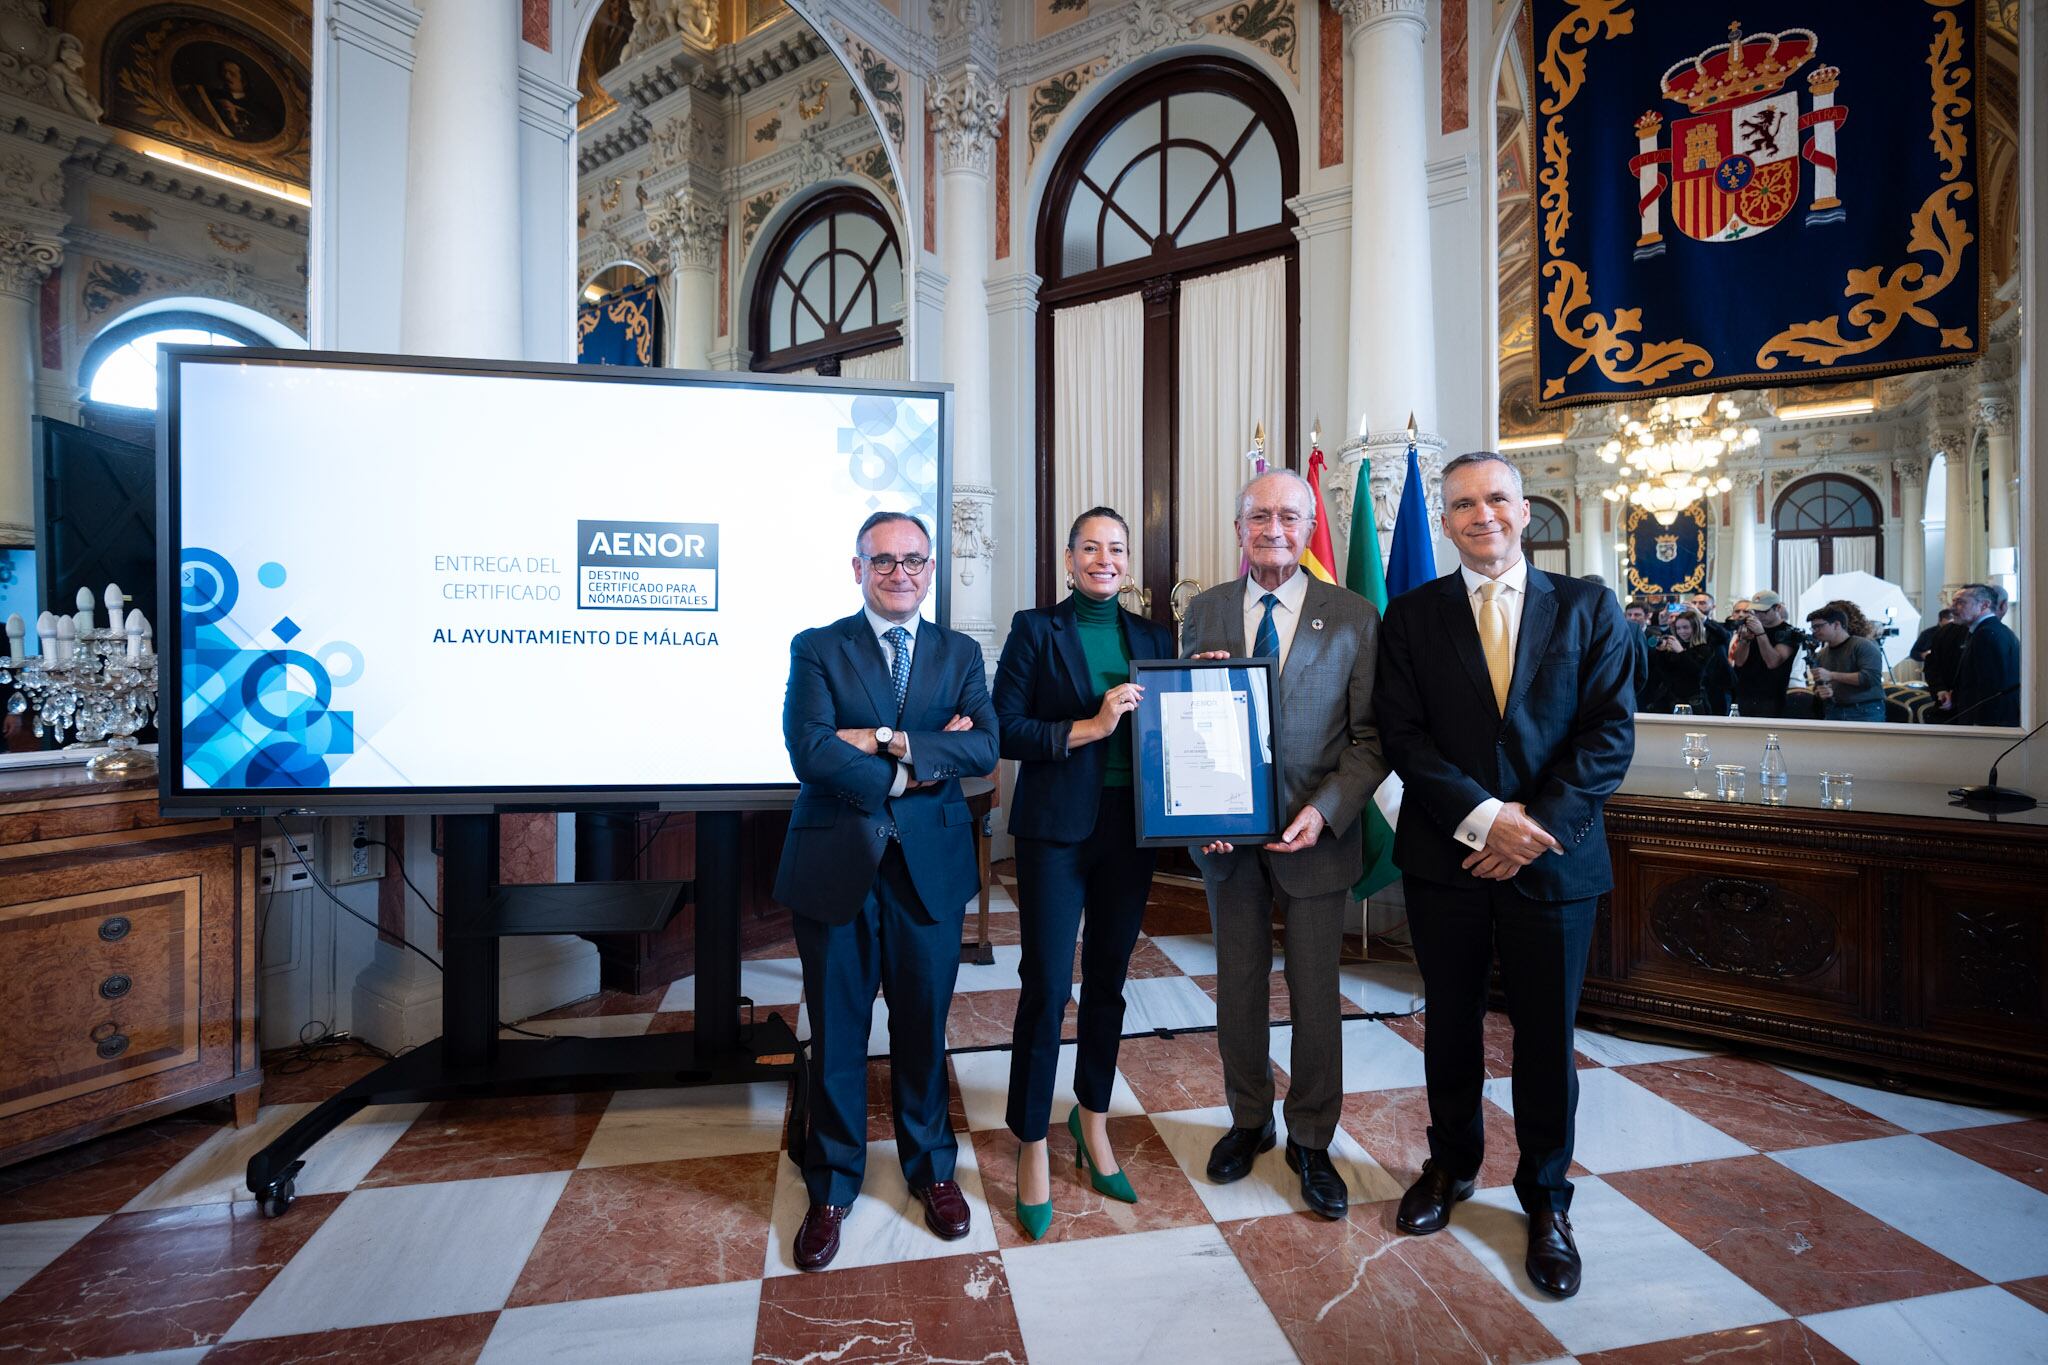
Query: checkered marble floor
x=1727, y=1210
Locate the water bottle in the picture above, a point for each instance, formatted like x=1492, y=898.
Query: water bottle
x=1770, y=773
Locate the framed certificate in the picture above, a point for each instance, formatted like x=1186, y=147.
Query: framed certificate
x=1202, y=756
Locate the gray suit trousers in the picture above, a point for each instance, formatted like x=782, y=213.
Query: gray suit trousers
x=1241, y=912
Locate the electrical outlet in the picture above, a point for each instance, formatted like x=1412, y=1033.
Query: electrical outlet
x=282, y=866
x=345, y=861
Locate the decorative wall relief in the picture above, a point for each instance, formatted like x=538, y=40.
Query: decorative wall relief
x=213, y=89
x=1269, y=24
x=1749, y=928
x=882, y=80
x=755, y=212
x=1049, y=99
x=42, y=64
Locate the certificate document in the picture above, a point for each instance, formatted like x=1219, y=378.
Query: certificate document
x=1206, y=749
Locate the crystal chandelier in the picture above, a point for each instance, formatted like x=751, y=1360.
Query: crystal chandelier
x=1671, y=451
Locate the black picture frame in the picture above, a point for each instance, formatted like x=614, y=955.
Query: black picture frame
x=1257, y=680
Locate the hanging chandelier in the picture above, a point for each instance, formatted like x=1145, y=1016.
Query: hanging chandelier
x=1671, y=451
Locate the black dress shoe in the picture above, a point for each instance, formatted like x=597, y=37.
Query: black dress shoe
x=1553, y=1261
x=1231, y=1158
x=817, y=1240
x=1321, y=1187
x=1426, y=1207
x=945, y=1209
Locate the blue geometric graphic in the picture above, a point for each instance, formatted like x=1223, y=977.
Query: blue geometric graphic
x=893, y=447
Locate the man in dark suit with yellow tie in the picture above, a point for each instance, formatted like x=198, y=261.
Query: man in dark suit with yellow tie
x=1506, y=699
x=884, y=713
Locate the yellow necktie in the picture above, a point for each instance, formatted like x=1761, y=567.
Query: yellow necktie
x=1493, y=642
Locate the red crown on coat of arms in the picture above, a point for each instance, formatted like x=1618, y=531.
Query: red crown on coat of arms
x=1744, y=67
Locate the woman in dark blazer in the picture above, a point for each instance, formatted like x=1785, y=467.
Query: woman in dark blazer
x=1061, y=692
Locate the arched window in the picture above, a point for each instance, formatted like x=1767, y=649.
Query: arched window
x=1824, y=524
x=830, y=287
x=119, y=369
x=1183, y=173
x=1546, y=540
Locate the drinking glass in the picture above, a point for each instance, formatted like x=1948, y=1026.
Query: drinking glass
x=1694, y=752
x=1834, y=790
x=1731, y=781
x=1681, y=709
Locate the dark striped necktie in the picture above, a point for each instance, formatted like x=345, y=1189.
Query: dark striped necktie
x=899, y=664
x=1266, y=644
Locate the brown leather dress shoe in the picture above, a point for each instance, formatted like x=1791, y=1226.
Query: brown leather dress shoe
x=817, y=1240
x=945, y=1209
x=1426, y=1207
x=1553, y=1261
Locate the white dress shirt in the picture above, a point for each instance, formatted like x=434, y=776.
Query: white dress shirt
x=881, y=626
x=1286, y=611
x=1514, y=587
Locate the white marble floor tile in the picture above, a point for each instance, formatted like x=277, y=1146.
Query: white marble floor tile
x=1609, y=1050
x=1624, y=1127
x=773, y=981
x=671, y=1125
x=216, y=1170
x=878, y=1027
x=1176, y=1296
x=25, y=1248
x=1375, y=1057
x=190, y=1355
x=985, y=1088
x=1270, y=1187
x=681, y=995
x=1195, y=954
x=886, y=1223
x=1983, y=1326
x=1168, y=1002
x=590, y=1026
x=1983, y=1221
x=1381, y=987
x=1910, y=1112
x=1643, y=1282
x=408, y=1251
x=1000, y=975
x=706, y=1325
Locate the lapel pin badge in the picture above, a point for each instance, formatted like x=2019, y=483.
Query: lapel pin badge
x=1316, y=624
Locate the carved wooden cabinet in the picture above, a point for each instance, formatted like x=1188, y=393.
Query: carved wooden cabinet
x=129, y=988
x=1914, y=940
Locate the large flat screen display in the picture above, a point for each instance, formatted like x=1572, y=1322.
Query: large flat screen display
x=461, y=586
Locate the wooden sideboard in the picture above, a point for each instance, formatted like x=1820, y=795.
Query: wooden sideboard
x=1902, y=934
x=130, y=949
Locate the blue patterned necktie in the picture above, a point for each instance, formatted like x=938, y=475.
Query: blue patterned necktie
x=1266, y=644
x=899, y=664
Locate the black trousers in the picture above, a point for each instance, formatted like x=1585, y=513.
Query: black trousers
x=1542, y=947
x=1110, y=875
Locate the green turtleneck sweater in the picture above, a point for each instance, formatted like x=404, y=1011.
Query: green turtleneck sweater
x=1109, y=663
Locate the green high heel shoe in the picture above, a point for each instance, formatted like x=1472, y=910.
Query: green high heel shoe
x=1116, y=1184
x=1033, y=1218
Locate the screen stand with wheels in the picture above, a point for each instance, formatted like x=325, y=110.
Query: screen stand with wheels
x=469, y=1060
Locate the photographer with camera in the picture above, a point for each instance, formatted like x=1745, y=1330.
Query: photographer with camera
x=1848, y=671
x=1761, y=654
x=1687, y=668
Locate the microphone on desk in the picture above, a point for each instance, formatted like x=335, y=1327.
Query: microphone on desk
x=1992, y=797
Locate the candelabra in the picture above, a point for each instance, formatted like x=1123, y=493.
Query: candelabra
x=89, y=683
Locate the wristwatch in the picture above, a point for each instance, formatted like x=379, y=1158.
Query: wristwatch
x=884, y=736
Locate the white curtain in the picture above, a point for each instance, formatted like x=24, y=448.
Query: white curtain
x=1098, y=432
x=1552, y=561
x=1798, y=566
x=1856, y=554
x=875, y=365
x=1233, y=376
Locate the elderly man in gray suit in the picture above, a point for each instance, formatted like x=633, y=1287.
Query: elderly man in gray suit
x=1330, y=764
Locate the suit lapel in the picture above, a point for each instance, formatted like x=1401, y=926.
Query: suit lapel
x=1066, y=642
x=864, y=652
x=924, y=671
x=1455, y=613
x=1306, y=649
x=1539, y=615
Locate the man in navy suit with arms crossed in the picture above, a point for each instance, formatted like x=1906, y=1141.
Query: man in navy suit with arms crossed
x=1506, y=701
x=884, y=713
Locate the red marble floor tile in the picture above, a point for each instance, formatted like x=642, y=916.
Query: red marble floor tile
x=100, y=1175
x=1169, y=1074
x=472, y=1139
x=2019, y=1150
x=989, y=1018
x=427, y=1341
x=290, y=1079
x=1498, y=1040
x=152, y=1281
x=1165, y=1198
x=1280, y=1005
x=1363, y=1291
x=679, y=1021
x=657, y=1225
x=1757, y=1104
x=1772, y=1343
x=608, y=1003
x=881, y=1113
x=954, y=1309
x=1806, y=1250
x=1393, y=1127
x=1148, y=960
x=2034, y=1291
x=1003, y=927
x=1171, y=910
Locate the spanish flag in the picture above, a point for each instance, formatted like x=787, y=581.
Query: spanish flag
x=1320, y=558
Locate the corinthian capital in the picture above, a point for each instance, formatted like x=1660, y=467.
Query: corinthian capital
x=26, y=258
x=965, y=109
x=1994, y=413
x=1361, y=15
x=687, y=228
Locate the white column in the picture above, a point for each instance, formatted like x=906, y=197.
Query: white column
x=686, y=226
x=1392, y=333
x=462, y=276
x=964, y=109
x=1955, y=538
x=1742, y=569
x=1592, y=551
x=27, y=254
x=1994, y=414
x=1912, y=473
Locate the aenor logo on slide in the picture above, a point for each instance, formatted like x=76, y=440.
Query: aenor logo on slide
x=647, y=565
